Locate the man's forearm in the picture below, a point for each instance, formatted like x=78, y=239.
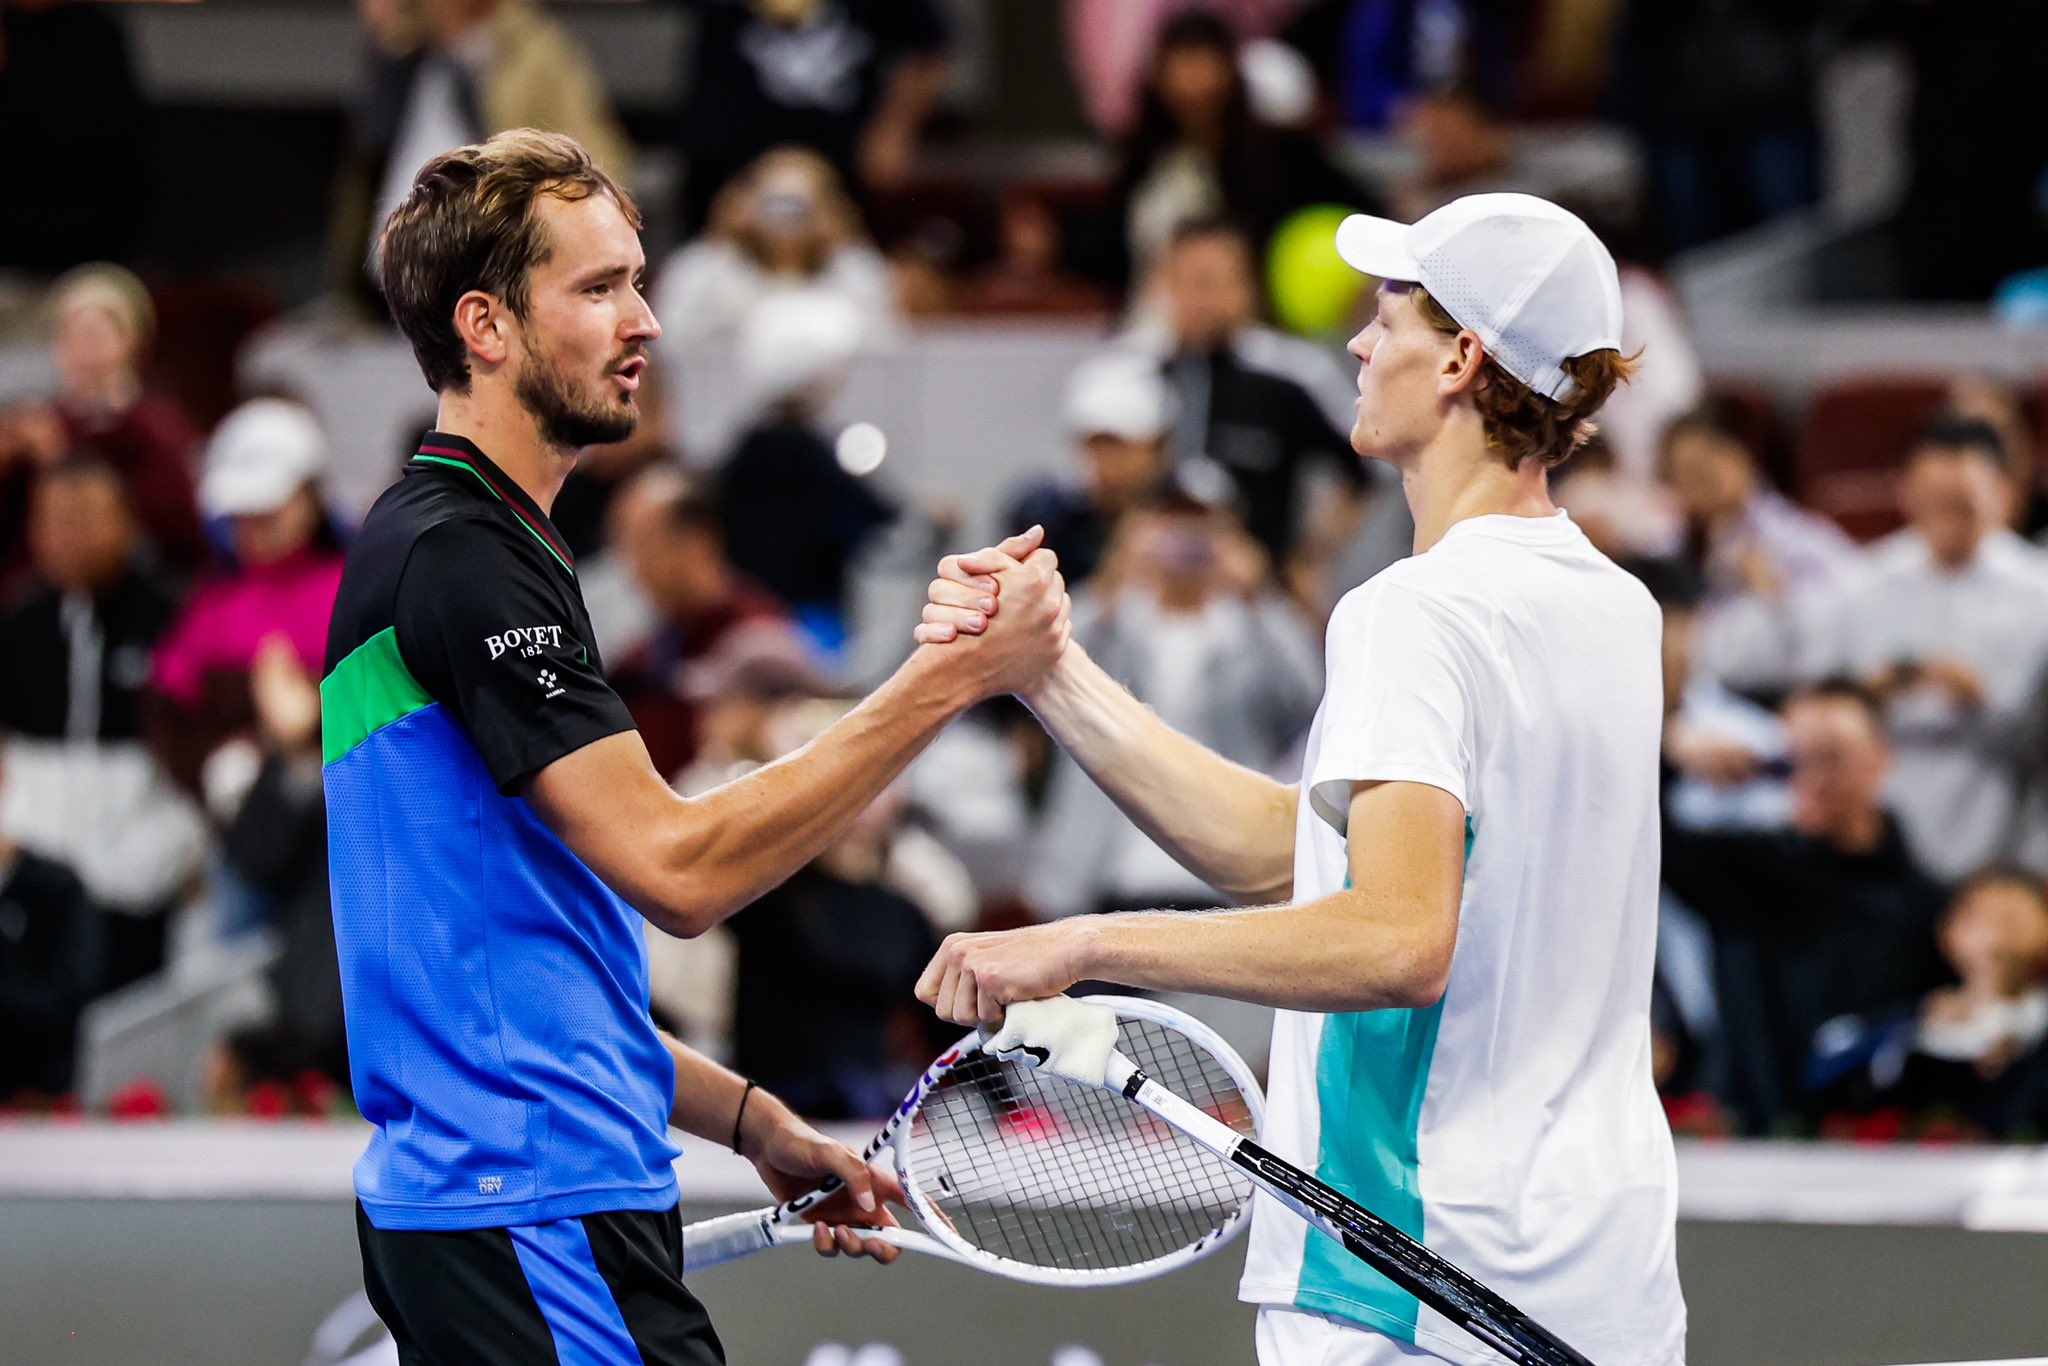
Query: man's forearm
x=707, y=1100
x=746, y=836
x=1346, y=952
x=1227, y=824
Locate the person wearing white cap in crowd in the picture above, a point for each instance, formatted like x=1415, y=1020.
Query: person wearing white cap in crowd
x=1118, y=410
x=263, y=455
x=272, y=600
x=1460, y=897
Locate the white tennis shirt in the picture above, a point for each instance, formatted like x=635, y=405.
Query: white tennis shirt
x=1513, y=1126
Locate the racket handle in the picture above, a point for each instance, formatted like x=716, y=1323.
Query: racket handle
x=727, y=1238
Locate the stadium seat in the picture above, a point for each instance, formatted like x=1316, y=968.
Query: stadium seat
x=1855, y=435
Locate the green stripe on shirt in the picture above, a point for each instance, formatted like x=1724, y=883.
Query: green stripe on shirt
x=1372, y=1069
x=368, y=690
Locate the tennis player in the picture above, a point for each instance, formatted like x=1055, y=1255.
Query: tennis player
x=1469, y=867
x=496, y=829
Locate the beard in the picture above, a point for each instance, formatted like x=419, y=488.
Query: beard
x=571, y=419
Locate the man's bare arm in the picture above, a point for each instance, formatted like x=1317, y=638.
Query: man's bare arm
x=688, y=863
x=1227, y=824
x=718, y=1104
x=1385, y=941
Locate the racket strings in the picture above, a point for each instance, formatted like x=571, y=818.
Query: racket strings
x=1039, y=1170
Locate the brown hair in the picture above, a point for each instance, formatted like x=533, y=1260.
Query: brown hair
x=1842, y=688
x=1522, y=424
x=470, y=222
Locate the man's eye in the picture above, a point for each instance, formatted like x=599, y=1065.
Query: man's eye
x=599, y=290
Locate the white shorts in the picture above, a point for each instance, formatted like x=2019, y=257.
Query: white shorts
x=1295, y=1337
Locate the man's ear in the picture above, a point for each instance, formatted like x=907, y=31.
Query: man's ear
x=1464, y=365
x=485, y=326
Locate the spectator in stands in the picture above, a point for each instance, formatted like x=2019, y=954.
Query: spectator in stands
x=924, y=266
x=1950, y=623
x=82, y=788
x=785, y=227
x=1976, y=1051
x=1111, y=42
x=1118, y=411
x=1030, y=274
x=262, y=476
x=49, y=968
x=69, y=96
x=853, y=80
x=794, y=516
x=2004, y=409
x=1265, y=407
x=1830, y=916
x=1185, y=613
x=1200, y=151
x=445, y=73
x=709, y=616
x=1769, y=563
x=102, y=322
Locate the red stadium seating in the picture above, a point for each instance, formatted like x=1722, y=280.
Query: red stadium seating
x=1856, y=433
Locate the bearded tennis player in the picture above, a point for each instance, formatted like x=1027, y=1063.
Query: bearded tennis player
x=1461, y=893
x=496, y=831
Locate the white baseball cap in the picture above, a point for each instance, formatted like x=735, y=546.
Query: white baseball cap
x=261, y=454
x=1119, y=394
x=1529, y=278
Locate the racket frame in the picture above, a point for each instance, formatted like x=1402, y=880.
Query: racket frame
x=716, y=1241
x=1480, y=1311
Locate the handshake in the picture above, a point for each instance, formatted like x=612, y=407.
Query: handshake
x=1001, y=613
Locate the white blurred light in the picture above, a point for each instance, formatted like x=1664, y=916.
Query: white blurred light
x=861, y=448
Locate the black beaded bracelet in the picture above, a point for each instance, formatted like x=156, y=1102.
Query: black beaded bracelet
x=740, y=1116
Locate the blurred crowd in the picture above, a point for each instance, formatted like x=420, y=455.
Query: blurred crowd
x=1854, y=933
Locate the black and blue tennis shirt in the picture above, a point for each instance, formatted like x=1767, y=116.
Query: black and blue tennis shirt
x=496, y=990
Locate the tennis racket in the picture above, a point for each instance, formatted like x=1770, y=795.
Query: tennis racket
x=1042, y=1033
x=1029, y=1175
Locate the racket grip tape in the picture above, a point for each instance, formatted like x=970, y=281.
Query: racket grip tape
x=728, y=1238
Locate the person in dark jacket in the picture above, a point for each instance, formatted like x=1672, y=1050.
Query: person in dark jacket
x=1827, y=917
x=84, y=789
x=1973, y=1056
x=1263, y=408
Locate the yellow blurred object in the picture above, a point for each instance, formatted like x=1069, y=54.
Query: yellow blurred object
x=1311, y=290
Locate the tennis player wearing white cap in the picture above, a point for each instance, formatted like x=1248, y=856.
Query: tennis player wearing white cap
x=1465, y=881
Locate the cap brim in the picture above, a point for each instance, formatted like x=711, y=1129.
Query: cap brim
x=1377, y=247
x=242, y=497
